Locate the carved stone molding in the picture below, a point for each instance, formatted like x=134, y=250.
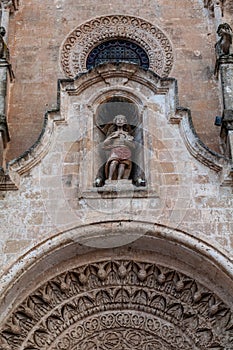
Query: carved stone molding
x=6, y=182
x=198, y=150
x=84, y=38
x=119, y=304
x=35, y=154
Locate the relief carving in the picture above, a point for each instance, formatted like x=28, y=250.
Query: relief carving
x=212, y=4
x=83, y=39
x=120, y=304
x=4, y=51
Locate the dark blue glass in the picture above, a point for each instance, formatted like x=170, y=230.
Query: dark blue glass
x=117, y=50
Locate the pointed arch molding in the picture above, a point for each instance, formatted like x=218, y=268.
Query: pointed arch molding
x=125, y=298
x=84, y=38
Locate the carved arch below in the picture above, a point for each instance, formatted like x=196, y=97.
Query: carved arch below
x=129, y=293
x=83, y=39
x=116, y=304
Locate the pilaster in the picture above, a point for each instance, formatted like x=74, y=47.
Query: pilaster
x=7, y=7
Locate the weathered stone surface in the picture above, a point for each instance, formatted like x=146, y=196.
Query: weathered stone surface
x=36, y=60
x=100, y=261
x=120, y=303
x=183, y=177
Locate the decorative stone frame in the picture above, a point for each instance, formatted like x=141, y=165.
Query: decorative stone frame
x=84, y=38
x=111, y=80
x=139, y=106
x=169, y=281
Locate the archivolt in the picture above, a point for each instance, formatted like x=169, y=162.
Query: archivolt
x=153, y=293
x=119, y=303
x=83, y=39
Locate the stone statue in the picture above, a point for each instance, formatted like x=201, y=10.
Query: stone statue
x=223, y=47
x=121, y=153
x=4, y=53
x=118, y=144
x=224, y=44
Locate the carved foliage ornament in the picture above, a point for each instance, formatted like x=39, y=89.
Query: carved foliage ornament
x=119, y=304
x=83, y=39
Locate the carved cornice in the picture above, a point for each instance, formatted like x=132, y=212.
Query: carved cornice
x=130, y=302
x=84, y=38
x=124, y=71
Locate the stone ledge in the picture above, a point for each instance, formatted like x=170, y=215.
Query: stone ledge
x=6, y=182
x=117, y=189
x=228, y=179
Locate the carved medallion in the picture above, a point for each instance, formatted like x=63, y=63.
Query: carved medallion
x=120, y=304
x=78, y=45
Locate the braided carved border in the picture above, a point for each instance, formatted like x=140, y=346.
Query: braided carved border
x=84, y=38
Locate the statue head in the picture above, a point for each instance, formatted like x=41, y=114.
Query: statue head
x=224, y=27
x=120, y=120
x=2, y=31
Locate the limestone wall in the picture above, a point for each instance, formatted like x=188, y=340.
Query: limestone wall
x=187, y=186
x=37, y=31
x=162, y=237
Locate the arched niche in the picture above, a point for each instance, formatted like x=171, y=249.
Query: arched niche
x=160, y=291
x=111, y=106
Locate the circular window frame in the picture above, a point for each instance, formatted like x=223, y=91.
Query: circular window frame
x=77, y=46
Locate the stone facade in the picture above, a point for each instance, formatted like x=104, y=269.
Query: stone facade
x=41, y=29
x=121, y=264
